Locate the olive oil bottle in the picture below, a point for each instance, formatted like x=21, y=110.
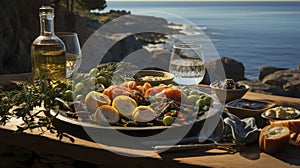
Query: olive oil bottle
x=48, y=51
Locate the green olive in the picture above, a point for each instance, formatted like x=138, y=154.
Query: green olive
x=69, y=84
x=186, y=91
x=161, y=85
x=202, y=96
x=101, y=79
x=194, y=92
x=200, y=103
x=79, y=97
x=193, y=99
x=168, y=120
x=208, y=100
x=171, y=85
x=93, y=72
x=185, y=87
x=79, y=87
x=69, y=94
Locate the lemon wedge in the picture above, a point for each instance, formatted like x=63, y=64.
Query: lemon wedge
x=143, y=114
x=94, y=99
x=107, y=113
x=125, y=105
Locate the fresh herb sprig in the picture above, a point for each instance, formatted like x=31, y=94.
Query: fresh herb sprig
x=22, y=104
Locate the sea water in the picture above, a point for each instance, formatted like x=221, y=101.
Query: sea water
x=254, y=33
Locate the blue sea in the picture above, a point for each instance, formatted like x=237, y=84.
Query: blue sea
x=254, y=33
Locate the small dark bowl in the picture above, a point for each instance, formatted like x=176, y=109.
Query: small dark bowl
x=227, y=95
x=244, y=108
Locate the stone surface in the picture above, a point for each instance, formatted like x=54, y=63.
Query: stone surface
x=232, y=69
x=13, y=58
x=123, y=40
x=288, y=80
x=259, y=87
x=280, y=82
x=266, y=70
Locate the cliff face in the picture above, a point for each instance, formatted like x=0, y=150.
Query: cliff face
x=11, y=42
x=19, y=22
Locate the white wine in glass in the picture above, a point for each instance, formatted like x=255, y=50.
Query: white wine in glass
x=73, y=51
x=187, y=64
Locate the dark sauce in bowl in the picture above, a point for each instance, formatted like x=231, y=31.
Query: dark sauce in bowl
x=248, y=104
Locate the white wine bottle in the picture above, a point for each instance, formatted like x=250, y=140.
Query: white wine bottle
x=48, y=51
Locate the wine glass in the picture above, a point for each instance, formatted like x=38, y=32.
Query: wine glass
x=73, y=51
x=187, y=64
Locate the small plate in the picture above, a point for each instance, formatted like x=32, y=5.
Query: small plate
x=297, y=115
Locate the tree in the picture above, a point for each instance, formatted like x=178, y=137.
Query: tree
x=92, y=4
x=82, y=4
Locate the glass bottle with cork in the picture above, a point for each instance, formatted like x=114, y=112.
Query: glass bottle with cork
x=48, y=51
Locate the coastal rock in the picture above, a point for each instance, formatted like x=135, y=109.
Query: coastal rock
x=266, y=70
x=259, y=87
x=124, y=47
x=281, y=82
x=288, y=80
x=124, y=39
x=232, y=69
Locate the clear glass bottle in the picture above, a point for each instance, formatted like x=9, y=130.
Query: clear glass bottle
x=48, y=51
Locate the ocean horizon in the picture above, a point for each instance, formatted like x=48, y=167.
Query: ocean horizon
x=254, y=33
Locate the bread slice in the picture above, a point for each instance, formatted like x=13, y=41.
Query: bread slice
x=273, y=138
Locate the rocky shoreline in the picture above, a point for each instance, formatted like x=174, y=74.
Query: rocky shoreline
x=280, y=82
x=271, y=80
x=16, y=36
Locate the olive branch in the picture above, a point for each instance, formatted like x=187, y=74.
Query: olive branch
x=22, y=103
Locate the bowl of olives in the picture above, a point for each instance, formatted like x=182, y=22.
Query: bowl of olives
x=229, y=90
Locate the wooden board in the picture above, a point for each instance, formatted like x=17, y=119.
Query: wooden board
x=247, y=156
x=15, y=77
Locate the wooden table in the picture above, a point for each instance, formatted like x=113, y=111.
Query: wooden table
x=248, y=156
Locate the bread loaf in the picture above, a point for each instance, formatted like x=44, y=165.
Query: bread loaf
x=272, y=138
x=293, y=125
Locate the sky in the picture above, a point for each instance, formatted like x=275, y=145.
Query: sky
x=209, y=0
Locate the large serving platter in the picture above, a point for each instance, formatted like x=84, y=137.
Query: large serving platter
x=79, y=128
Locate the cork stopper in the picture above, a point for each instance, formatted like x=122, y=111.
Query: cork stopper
x=46, y=10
